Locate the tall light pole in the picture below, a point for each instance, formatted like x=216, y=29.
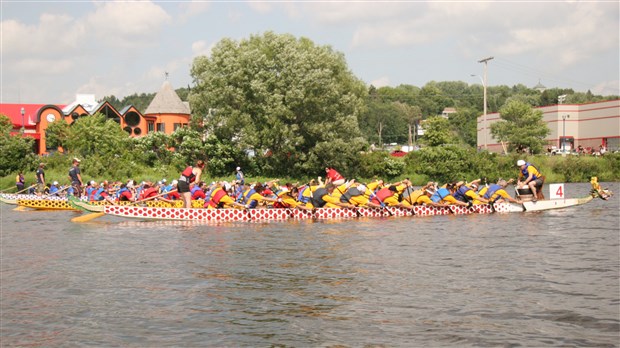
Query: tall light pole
x=484, y=107
x=564, y=117
x=23, y=111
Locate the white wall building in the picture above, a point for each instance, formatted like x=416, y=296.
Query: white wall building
x=589, y=125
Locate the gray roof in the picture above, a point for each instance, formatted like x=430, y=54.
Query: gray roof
x=167, y=101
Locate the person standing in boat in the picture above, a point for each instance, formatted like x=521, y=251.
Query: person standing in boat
x=20, y=181
x=530, y=176
x=75, y=176
x=40, y=174
x=333, y=176
x=189, y=175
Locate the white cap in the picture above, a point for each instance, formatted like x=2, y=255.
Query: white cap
x=163, y=180
x=76, y=159
x=238, y=168
x=520, y=163
x=283, y=190
x=159, y=183
x=55, y=182
x=92, y=182
x=361, y=188
x=174, y=182
x=226, y=186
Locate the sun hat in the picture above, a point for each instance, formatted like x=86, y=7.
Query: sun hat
x=75, y=159
x=238, y=168
x=55, y=182
x=520, y=163
x=430, y=191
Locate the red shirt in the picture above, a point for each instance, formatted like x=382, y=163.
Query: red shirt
x=334, y=175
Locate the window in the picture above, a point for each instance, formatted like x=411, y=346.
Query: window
x=161, y=127
x=177, y=126
x=150, y=127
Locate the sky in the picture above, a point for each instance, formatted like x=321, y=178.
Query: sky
x=53, y=50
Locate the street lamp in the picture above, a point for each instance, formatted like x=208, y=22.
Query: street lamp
x=484, y=87
x=564, y=117
x=23, y=111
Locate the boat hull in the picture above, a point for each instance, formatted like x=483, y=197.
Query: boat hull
x=555, y=204
x=146, y=213
x=61, y=203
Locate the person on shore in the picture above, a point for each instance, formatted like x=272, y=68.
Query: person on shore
x=20, y=181
x=531, y=177
x=40, y=174
x=75, y=176
x=188, y=176
x=239, y=176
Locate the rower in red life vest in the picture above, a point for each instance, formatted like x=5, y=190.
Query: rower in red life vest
x=219, y=198
x=189, y=175
x=334, y=177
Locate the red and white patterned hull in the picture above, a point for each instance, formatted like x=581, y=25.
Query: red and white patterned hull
x=285, y=214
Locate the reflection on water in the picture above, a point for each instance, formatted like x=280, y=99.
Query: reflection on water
x=538, y=279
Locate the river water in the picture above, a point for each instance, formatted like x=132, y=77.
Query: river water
x=520, y=279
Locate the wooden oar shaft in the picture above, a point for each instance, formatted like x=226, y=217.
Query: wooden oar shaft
x=150, y=198
x=27, y=188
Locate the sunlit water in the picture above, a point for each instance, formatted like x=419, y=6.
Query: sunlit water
x=521, y=279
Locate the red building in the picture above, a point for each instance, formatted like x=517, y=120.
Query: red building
x=165, y=113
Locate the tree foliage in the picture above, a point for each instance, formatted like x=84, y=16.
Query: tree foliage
x=521, y=126
x=16, y=150
x=293, y=103
x=437, y=131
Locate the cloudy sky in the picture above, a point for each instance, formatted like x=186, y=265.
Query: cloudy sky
x=53, y=50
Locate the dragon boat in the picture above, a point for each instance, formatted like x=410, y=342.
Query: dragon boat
x=62, y=203
x=266, y=214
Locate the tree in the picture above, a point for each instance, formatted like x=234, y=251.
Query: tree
x=286, y=99
x=465, y=124
x=16, y=150
x=521, y=126
x=436, y=131
x=57, y=134
x=103, y=145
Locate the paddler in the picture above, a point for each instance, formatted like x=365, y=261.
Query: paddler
x=190, y=174
x=497, y=193
x=531, y=177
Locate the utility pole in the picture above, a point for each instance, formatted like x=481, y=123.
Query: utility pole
x=484, y=107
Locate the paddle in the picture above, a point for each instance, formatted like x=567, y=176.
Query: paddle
x=87, y=217
x=57, y=192
x=153, y=197
x=27, y=188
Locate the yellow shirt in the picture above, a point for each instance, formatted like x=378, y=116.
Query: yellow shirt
x=331, y=202
x=423, y=199
x=500, y=192
x=339, y=191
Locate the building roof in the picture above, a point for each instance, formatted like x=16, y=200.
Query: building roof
x=13, y=111
x=167, y=101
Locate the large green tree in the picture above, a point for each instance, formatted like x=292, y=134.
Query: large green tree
x=294, y=104
x=521, y=126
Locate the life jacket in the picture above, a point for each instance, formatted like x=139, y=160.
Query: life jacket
x=440, y=195
x=120, y=195
x=350, y=193
x=410, y=195
x=461, y=194
x=317, y=197
x=246, y=199
x=96, y=195
x=380, y=196
x=89, y=191
x=149, y=192
x=301, y=197
x=525, y=173
x=188, y=174
x=491, y=190
x=216, y=197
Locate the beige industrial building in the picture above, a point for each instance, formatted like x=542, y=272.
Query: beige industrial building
x=588, y=125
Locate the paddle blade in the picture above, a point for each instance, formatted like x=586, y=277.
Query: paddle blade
x=20, y=208
x=87, y=217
